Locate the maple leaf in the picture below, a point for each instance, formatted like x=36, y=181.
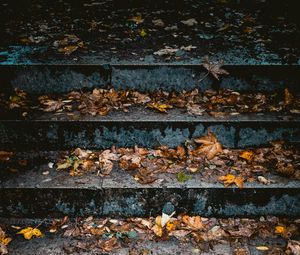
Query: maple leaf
x=214, y=68
x=210, y=145
x=194, y=223
x=230, y=179
x=30, y=232
x=159, y=107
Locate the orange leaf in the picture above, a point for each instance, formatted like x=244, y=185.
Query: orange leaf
x=248, y=155
x=230, y=179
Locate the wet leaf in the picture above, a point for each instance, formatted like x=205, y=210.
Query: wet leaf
x=30, y=232
x=210, y=146
x=143, y=33
x=230, y=179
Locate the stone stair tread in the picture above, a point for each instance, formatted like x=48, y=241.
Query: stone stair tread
x=221, y=31
x=40, y=176
x=56, y=243
x=142, y=114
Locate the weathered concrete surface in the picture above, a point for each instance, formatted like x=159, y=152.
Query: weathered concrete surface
x=33, y=194
x=59, y=135
x=55, y=245
x=41, y=79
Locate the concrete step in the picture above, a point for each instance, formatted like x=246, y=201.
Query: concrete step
x=144, y=128
x=38, y=191
x=45, y=78
x=219, y=240
x=240, y=32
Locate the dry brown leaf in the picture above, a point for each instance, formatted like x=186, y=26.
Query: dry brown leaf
x=230, y=179
x=5, y=155
x=294, y=247
x=109, y=245
x=193, y=223
x=214, y=68
x=288, y=97
x=210, y=146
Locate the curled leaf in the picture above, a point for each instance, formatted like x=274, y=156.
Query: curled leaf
x=159, y=107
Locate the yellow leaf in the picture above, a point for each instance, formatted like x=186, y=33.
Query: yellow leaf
x=137, y=19
x=6, y=241
x=248, y=155
x=159, y=107
x=65, y=165
x=171, y=226
x=29, y=232
x=143, y=33
x=230, y=179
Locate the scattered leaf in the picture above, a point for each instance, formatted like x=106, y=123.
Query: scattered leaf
x=247, y=154
x=159, y=107
x=30, y=232
x=209, y=145
x=214, y=68
x=189, y=22
x=182, y=177
x=230, y=179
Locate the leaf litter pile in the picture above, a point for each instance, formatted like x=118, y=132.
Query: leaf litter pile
x=100, y=102
x=110, y=235
x=201, y=158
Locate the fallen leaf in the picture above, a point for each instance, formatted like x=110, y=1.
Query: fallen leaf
x=166, y=51
x=143, y=33
x=247, y=154
x=262, y=248
x=294, y=247
x=158, y=23
x=189, y=22
x=137, y=19
x=5, y=155
x=230, y=179
x=30, y=232
x=288, y=97
x=67, y=50
x=182, y=177
x=210, y=145
x=214, y=68
x=159, y=107
x=109, y=245
x=194, y=223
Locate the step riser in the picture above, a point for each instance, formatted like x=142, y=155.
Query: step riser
x=18, y=135
x=148, y=202
x=58, y=79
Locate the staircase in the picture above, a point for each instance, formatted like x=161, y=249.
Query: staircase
x=259, y=51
